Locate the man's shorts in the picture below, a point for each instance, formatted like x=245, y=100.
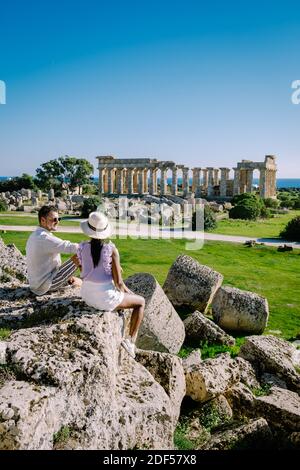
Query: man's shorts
x=63, y=275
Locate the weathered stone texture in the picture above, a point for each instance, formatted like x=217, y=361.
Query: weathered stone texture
x=237, y=310
x=162, y=329
x=200, y=329
x=190, y=284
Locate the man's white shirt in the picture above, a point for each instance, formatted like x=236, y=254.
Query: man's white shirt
x=43, y=258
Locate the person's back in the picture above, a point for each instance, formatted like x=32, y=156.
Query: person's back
x=102, y=273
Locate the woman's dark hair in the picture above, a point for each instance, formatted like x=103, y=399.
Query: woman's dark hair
x=96, y=247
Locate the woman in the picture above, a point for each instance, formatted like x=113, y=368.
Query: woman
x=103, y=286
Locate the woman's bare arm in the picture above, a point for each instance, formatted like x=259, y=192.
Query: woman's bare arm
x=117, y=272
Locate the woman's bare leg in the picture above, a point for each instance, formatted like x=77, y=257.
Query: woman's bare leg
x=136, y=302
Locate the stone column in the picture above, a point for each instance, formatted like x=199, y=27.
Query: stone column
x=151, y=182
x=236, y=183
x=163, y=188
x=210, y=185
x=155, y=170
x=119, y=178
x=39, y=194
x=110, y=180
x=100, y=184
x=223, y=182
x=129, y=180
x=185, y=181
x=135, y=180
x=249, y=181
x=205, y=178
x=216, y=177
x=262, y=183
x=145, y=176
x=174, y=181
x=196, y=187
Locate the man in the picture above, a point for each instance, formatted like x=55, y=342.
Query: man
x=44, y=268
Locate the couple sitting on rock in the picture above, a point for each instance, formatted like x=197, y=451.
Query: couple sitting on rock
x=102, y=286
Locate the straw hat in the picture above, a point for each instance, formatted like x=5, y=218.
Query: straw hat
x=97, y=226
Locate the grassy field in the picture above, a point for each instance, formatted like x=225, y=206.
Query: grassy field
x=259, y=269
x=264, y=228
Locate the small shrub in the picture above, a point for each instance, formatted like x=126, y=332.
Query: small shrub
x=292, y=230
x=62, y=435
x=262, y=391
x=3, y=206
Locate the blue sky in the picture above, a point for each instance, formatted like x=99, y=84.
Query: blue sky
x=201, y=84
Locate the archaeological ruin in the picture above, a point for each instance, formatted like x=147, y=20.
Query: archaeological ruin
x=150, y=176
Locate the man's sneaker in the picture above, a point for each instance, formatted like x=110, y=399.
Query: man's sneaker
x=129, y=346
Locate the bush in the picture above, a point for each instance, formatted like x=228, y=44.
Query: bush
x=292, y=230
x=271, y=203
x=248, y=207
x=246, y=210
x=3, y=206
x=90, y=205
x=210, y=221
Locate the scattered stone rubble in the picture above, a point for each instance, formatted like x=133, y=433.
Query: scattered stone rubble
x=62, y=367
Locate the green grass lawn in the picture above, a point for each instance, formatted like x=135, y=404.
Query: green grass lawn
x=259, y=269
x=263, y=228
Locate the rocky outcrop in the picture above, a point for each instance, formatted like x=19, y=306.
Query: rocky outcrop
x=200, y=329
x=248, y=373
x=162, y=329
x=211, y=378
x=255, y=434
x=273, y=355
x=167, y=370
x=190, y=284
x=193, y=359
x=281, y=408
x=237, y=310
x=12, y=264
x=75, y=374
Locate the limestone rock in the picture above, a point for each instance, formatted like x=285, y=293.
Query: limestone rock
x=211, y=378
x=162, y=329
x=75, y=374
x=214, y=412
x=167, y=370
x=272, y=355
x=190, y=284
x=237, y=310
x=256, y=434
x=248, y=373
x=200, y=329
x=281, y=408
x=193, y=359
x=241, y=400
x=272, y=380
x=3, y=348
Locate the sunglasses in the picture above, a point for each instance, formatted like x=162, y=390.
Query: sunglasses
x=55, y=219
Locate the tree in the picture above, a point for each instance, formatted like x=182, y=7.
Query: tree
x=19, y=182
x=67, y=171
x=292, y=230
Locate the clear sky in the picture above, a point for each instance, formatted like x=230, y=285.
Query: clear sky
x=200, y=83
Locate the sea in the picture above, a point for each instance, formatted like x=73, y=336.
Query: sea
x=280, y=182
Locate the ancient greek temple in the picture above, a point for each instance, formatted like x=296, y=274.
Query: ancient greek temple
x=143, y=176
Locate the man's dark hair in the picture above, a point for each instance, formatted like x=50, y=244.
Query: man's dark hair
x=45, y=210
